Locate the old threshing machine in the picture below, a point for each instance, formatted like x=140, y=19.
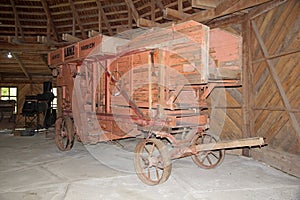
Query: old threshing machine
x=154, y=84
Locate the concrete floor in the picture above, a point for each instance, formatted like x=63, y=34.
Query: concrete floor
x=31, y=167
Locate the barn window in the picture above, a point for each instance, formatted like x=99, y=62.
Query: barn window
x=9, y=93
x=54, y=102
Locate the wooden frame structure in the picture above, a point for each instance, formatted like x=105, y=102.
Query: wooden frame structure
x=156, y=84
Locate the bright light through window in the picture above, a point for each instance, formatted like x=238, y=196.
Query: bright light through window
x=9, y=93
x=54, y=102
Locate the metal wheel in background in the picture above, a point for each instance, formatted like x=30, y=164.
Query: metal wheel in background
x=152, y=161
x=64, y=133
x=207, y=159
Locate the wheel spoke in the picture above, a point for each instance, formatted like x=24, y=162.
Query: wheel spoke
x=213, y=153
x=149, y=172
x=145, y=161
x=145, y=147
x=152, y=149
x=209, y=160
x=157, y=174
x=203, y=158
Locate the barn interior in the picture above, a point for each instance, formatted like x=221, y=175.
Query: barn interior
x=265, y=104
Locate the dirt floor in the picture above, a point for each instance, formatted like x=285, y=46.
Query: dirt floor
x=31, y=167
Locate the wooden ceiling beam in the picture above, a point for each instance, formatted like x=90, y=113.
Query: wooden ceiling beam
x=93, y=33
x=261, y=9
x=21, y=65
x=224, y=22
x=230, y=6
x=135, y=13
x=75, y=13
x=225, y=6
x=205, y=4
x=180, y=6
x=70, y=38
x=50, y=23
x=141, y=22
x=224, y=9
x=169, y=13
x=12, y=78
x=129, y=18
x=160, y=5
x=17, y=21
x=104, y=17
x=28, y=48
x=152, y=5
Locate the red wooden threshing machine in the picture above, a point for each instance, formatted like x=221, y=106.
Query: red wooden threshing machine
x=156, y=85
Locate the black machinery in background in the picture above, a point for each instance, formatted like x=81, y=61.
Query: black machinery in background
x=39, y=106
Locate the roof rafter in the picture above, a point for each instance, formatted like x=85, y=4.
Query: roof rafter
x=180, y=6
x=259, y=10
x=229, y=6
x=141, y=22
x=223, y=9
x=69, y=38
x=75, y=13
x=21, y=65
x=205, y=4
x=104, y=17
x=17, y=21
x=49, y=20
x=152, y=5
x=169, y=13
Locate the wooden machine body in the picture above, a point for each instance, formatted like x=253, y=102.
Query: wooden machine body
x=157, y=82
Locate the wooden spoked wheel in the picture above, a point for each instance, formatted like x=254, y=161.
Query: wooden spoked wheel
x=152, y=161
x=64, y=133
x=207, y=159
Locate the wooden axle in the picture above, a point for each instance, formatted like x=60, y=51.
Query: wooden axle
x=247, y=142
x=222, y=145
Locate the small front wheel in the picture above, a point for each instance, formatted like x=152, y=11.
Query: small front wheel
x=152, y=161
x=64, y=133
x=207, y=159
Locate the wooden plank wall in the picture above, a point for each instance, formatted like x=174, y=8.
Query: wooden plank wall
x=226, y=105
x=24, y=89
x=275, y=85
x=268, y=104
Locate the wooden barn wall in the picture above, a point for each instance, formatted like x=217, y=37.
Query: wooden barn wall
x=268, y=103
x=226, y=113
x=225, y=104
x=24, y=89
x=274, y=96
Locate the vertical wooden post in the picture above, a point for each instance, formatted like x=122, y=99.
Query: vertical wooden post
x=162, y=56
x=150, y=65
x=99, y=21
x=94, y=85
x=129, y=18
x=246, y=82
x=152, y=10
x=48, y=29
x=107, y=92
x=73, y=26
x=59, y=101
x=180, y=6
